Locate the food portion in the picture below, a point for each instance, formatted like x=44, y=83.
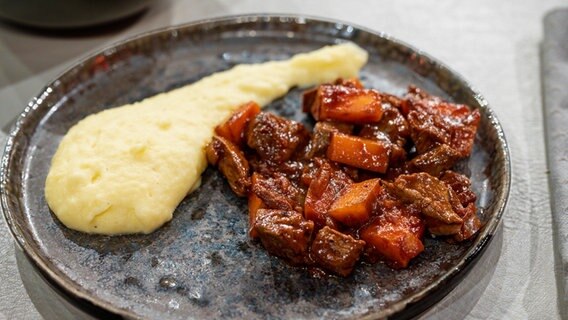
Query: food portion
x=372, y=178
x=125, y=170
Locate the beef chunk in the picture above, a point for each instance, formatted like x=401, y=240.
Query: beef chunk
x=471, y=223
x=324, y=189
x=427, y=131
x=277, y=192
x=392, y=125
x=461, y=185
x=441, y=204
x=231, y=162
x=433, y=122
x=421, y=101
x=463, y=203
x=435, y=161
x=439, y=228
x=292, y=169
x=275, y=138
x=285, y=234
x=427, y=193
x=335, y=251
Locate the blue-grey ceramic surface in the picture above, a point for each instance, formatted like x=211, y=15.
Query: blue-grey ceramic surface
x=202, y=264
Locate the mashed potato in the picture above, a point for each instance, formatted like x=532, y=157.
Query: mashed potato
x=125, y=170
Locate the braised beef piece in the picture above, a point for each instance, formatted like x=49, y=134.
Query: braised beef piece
x=464, y=204
x=275, y=138
x=461, y=185
x=277, y=192
x=443, y=207
x=335, y=251
x=421, y=101
x=418, y=99
x=292, y=169
x=231, y=162
x=284, y=233
x=322, y=135
x=435, y=161
x=439, y=228
x=471, y=223
x=427, y=131
x=430, y=195
x=392, y=124
x=433, y=122
x=324, y=189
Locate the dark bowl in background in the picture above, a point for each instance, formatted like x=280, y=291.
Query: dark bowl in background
x=68, y=13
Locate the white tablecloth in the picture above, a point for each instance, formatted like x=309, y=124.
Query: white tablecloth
x=493, y=44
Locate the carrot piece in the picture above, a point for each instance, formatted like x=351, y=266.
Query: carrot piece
x=396, y=243
x=358, y=152
x=346, y=104
x=235, y=127
x=354, y=206
x=254, y=203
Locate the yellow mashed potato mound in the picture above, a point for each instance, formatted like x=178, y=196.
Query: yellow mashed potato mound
x=125, y=170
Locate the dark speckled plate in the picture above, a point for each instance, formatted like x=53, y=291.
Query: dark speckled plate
x=202, y=264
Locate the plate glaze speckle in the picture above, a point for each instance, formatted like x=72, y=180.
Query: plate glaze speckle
x=202, y=264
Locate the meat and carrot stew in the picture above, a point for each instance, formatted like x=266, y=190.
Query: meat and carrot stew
x=372, y=178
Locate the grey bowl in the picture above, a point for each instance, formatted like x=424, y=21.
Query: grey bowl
x=202, y=264
x=68, y=13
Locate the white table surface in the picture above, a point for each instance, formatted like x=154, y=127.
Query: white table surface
x=493, y=44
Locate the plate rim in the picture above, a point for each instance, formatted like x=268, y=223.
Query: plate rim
x=463, y=266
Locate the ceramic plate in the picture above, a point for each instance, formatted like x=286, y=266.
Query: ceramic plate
x=202, y=264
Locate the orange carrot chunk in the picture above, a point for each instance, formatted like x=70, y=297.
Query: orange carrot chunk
x=358, y=152
x=235, y=127
x=395, y=243
x=343, y=103
x=354, y=206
